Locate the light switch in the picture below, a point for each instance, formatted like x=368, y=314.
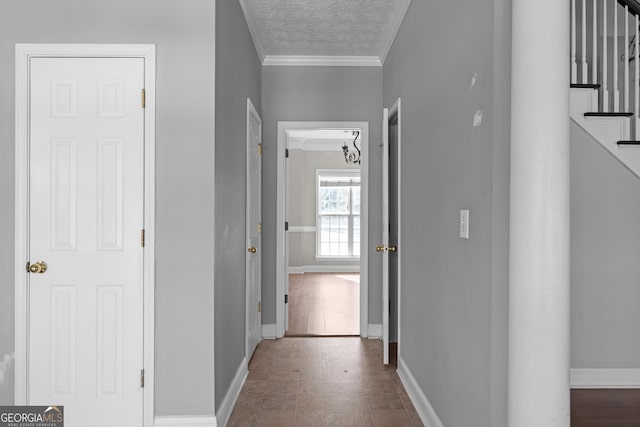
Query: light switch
x=464, y=223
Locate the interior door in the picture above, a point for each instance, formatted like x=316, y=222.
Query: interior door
x=382, y=248
x=254, y=228
x=86, y=206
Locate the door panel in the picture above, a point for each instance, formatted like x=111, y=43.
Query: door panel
x=385, y=235
x=86, y=210
x=254, y=228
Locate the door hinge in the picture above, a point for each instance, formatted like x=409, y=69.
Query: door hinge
x=286, y=152
x=259, y=307
x=142, y=378
x=286, y=298
x=286, y=225
x=144, y=99
x=142, y=237
x=259, y=228
x=260, y=149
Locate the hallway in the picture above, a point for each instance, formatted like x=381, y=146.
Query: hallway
x=322, y=381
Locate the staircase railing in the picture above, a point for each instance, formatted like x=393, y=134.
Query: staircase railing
x=605, y=36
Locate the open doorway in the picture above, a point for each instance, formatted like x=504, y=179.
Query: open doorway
x=322, y=201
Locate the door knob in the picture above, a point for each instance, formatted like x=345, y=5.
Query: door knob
x=380, y=248
x=393, y=248
x=252, y=250
x=37, y=268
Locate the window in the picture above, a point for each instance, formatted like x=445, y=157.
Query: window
x=338, y=223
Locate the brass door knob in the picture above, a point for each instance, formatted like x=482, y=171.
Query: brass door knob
x=380, y=248
x=37, y=268
x=252, y=250
x=393, y=248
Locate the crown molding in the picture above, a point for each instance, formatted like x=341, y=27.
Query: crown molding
x=397, y=23
x=253, y=29
x=322, y=61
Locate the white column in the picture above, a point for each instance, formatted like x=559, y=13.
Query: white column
x=539, y=216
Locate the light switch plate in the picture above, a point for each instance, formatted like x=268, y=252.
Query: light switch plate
x=464, y=224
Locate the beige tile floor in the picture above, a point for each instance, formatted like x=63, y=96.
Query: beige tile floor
x=322, y=381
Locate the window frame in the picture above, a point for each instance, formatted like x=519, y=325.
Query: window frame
x=348, y=173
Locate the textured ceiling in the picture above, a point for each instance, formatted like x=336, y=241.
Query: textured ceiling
x=324, y=27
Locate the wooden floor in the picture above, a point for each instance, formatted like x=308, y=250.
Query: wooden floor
x=605, y=408
x=324, y=304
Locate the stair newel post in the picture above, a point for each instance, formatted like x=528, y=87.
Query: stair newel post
x=539, y=262
x=594, y=41
x=584, y=69
x=605, y=80
x=626, y=58
x=616, y=88
x=574, y=64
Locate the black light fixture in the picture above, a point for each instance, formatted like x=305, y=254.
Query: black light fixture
x=353, y=157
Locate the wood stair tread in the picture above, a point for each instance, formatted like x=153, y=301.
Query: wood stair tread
x=585, y=86
x=625, y=114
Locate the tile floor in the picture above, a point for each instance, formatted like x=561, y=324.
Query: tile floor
x=322, y=381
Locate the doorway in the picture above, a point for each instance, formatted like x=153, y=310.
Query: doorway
x=302, y=248
x=84, y=190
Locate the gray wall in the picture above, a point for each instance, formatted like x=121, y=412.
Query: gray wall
x=453, y=296
x=183, y=33
x=319, y=94
x=302, y=203
x=605, y=249
x=237, y=78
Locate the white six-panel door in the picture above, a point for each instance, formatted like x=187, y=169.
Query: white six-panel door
x=86, y=208
x=254, y=228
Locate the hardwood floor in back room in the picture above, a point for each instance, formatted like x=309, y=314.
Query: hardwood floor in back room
x=324, y=304
x=605, y=408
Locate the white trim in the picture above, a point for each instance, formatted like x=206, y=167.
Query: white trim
x=281, y=255
x=269, y=331
x=321, y=61
x=426, y=412
x=253, y=29
x=374, y=331
x=335, y=268
x=249, y=304
x=397, y=23
x=24, y=52
x=605, y=378
x=302, y=229
x=223, y=413
x=182, y=421
x=315, y=144
x=213, y=223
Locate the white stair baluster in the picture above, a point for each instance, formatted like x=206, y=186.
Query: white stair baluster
x=626, y=58
x=574, y=65
x=584, y=43
x=616, y=89
x=605, y=87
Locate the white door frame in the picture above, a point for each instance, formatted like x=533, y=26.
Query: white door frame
x=251, y=111
x=24, y=53
x=281, y=258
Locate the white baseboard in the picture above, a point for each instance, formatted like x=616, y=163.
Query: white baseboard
x=339, y=268
x=183, y=421
x=418, y=398
x=269, y=331
x=226, y=407
x=374, y=331
x=605, y=378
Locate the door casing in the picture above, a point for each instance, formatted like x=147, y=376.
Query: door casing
x=23, y=55
x=281, y=247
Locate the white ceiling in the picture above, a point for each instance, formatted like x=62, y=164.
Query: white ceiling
x=324, y=32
